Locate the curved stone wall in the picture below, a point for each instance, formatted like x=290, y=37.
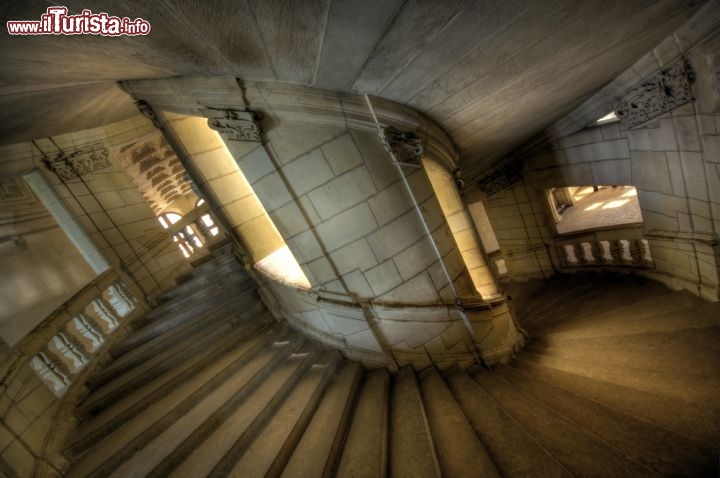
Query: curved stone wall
x=385, y=269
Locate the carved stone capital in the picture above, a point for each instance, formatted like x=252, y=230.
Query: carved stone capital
x=501, y=179
x=79, y=162
x=666, y=90
x=405, y=147
x=235, y=125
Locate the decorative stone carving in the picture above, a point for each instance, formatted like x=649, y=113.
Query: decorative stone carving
x=11, y=189
x=235, y=125
x=501, y=179
x=80, y=162
x=665, y=91
x=405, y=147
x=147, y=111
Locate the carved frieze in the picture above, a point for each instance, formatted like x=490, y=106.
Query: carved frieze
x=668, y=89
x=405, y=147
x=79, y=162
x=501, y=179
x=235, y=125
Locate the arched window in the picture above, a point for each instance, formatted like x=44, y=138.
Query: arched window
x=186, y=236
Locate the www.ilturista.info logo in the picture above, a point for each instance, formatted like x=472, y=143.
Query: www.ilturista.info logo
x=57, y=22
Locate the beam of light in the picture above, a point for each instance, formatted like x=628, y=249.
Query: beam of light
x=593, y=206
x=614, y=204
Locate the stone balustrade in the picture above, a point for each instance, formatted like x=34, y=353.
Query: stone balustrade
x=62, y=346
x=621, y=247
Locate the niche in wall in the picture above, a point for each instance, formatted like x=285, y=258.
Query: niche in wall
x=588, y=208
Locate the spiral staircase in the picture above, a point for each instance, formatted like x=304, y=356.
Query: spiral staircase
x=620, y=377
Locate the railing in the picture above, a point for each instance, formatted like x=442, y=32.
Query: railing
x=621, y=247
x=62, y=346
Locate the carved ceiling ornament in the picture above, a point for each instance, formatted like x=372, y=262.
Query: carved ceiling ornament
x=79, y=162
x=234, y=125
x=665, y=91
x=405, y=147
x=501, y=179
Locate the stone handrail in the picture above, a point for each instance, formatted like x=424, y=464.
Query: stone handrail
x=617, y=247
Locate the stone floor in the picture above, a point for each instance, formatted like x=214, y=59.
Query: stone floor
x=607, y=207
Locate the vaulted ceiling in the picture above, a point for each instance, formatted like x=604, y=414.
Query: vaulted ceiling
x=492, y=73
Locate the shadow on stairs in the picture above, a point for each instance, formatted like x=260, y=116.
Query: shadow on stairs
x=621, y=378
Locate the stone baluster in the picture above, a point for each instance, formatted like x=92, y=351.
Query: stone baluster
x=605, y=252
x=105, y=314
x=89, y=330
x=588, y=254
x=51, y=371
x=644, y=248
x=69, y=348
x=635, y=252
x=571, y=254
x=625, y=256
x=120, y=301
x=616, y=251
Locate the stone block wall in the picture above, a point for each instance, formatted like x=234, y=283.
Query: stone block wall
x=218, y=173
x=320, y=170
x=673, y=161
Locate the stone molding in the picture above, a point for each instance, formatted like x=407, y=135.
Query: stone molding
x=79, y=162
x=293, y=103
x=665, y=91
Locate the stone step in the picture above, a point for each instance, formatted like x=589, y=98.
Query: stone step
x=170, y=420
x=580, y=452
x=235, y=425
x=460, y=452
x=193, y=288
x=654, y=381
x=128, y=380
x=555, y=291
x=691, y=420
x=637, y=321
x=665, y=452
x=568, y=301
x=203, y=365
x=318, y=452
x=412, y=451
x=612, y=294
x=365, y=454
x=513, y=450
x=210, y=305
x=236, y=310
x=201, y=275
x=654, y=304
x=271, y=449
x=193, y=292
x=694, y=352
x=607, y=298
